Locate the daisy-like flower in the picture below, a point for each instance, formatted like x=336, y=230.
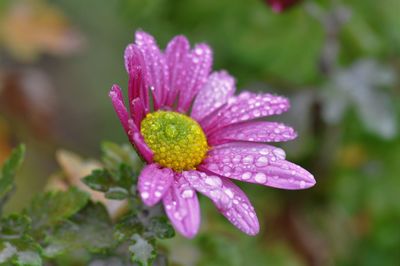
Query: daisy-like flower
x=196, y=136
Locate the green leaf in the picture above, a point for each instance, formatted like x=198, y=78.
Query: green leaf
x=115, y=155
x=116, y=184
x=14, y=226
x=22, y=251
x=117, y=193
x=143, y=251
x=127, y=227
x=99, y=180
x=50, y=208
x=8, y=172
x=90, y=229
x=160, y=228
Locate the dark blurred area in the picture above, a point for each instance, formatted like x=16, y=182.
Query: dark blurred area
x=338, y=62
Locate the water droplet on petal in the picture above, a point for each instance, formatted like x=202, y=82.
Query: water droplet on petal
x=260, y=178
x=246, y=175
x=262, y=161
x=248, y=159
x=145, y=195
x=279, y=153
x=229, y=193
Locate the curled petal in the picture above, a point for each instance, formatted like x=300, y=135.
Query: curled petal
x=182, y=207
x=117, y=100
x=156, y=67
x=136, y=138
x=135, y=66
x=138, y=111
x=228, y=198
x=219, y=87
x=253, y=131
x=256, y=163
x=153, y=183
x=176, y=55
x=246, y=106
x=198, y=66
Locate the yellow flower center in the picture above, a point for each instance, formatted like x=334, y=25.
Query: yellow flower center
x=177, y=141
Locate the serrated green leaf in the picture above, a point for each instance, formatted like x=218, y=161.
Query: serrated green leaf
x=117, y=184
x=8, y=172
x=14, y=226
x=50, y=208
x=90, y=229
x=143, y=251
x=160, y=228
x=99, y=180
x=127, y=227
x=126, y=176
x=20, y=251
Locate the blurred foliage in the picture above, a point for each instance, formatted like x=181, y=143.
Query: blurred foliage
x=337, y=60
x=59, y=223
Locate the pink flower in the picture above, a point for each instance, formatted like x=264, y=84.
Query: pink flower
x=281, y=5
x=196, y=136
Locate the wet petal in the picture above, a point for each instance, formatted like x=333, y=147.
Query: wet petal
x=176, y=54
x=198, y=66
x=182, y=207
x=136, y=138
x=219, y=87
x=117, y=100
x=135, y=66
x=153, y=183
x=156, y=68
x=257, y=163
x=228, y=198
x=246, y=106
x=254, y=132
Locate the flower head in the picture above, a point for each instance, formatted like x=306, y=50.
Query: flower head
x=196, y=135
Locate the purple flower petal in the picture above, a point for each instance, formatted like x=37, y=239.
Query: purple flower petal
x=117, y=100
x=246, y=106
x=253, y=131
x=156, y=67
x=256, y=163
x=135, y=66
x=228, y=198
x=176, y=55
x=182, y=207
x=198, y=67
x=136, y=138
x=219, y=87
x=153, y=183
x=138, y=111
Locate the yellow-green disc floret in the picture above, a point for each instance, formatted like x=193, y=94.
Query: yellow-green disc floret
x=177, y=141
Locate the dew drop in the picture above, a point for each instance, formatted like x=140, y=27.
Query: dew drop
x=280, y=153
x=248, y=159
x=188, y=193
x=145, y=195
x=213, y=181
x=229, y=193
x=246, y=175
x=262, y=161
x=260, y=178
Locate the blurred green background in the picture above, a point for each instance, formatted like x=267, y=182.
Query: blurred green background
x=338, y=62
